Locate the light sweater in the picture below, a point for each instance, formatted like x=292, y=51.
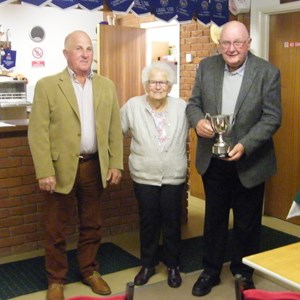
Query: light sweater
x=147, y=163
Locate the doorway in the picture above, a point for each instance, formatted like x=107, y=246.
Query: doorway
x=285, y=54
x=163, y=43
x=275, y=34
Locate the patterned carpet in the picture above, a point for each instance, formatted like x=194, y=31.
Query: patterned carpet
x=29, y=276
x=191, y=254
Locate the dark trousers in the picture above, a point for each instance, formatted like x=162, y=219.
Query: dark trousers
x=160, y=213
x=223, y=191
x=58, y=211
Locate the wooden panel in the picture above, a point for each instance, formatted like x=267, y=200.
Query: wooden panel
x=195, y=180
x=121, y=57
x=281, y=188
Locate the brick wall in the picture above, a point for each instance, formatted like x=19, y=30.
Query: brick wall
x=21, y=202
x=194, y=39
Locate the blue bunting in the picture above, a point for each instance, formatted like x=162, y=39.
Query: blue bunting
x=120, y=6
x=219, y=12
x=185, y=10
x=36, y=2
x=165, y=10
x=64, y=3
x=141, y=7
x=91, y=4
x=203, y=12
x=8, y=60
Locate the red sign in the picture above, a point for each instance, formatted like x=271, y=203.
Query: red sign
x=38, y=64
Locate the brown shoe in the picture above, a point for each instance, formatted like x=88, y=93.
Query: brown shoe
x=98, y=285
x=55, y=291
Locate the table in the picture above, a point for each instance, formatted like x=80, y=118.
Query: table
x=282, y=264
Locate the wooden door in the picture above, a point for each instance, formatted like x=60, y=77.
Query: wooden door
x=121, y=57
x=284, y=52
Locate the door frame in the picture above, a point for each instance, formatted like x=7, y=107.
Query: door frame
x=155, y=27
x=259, y=22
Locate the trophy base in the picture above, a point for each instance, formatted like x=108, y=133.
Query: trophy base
x=220, y=152
x=220, y=155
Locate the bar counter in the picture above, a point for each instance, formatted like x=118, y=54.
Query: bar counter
x=22, y=203
x=19, y=127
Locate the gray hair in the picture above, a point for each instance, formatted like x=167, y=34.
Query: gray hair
x=159, y=66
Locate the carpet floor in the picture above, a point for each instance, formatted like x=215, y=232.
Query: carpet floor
x=192, y=249
x=29, y=276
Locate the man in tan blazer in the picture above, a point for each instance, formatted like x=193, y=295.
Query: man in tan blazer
x=76, y=143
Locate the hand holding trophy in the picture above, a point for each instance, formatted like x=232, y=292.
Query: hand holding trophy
x=219, y=124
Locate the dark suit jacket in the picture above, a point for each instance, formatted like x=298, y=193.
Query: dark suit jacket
x=54, y=131
x=257, y=115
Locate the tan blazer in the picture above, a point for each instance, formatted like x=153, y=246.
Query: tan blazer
x=54, y=130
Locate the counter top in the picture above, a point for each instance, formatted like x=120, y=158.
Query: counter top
x=13, y=125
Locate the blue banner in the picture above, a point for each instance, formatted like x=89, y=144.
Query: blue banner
x=219, y=11
x=141, y=7
x=203, y=12
x=36, y=2
x=64, y=3
x=6, y=1
x=165, y=10
x=185, y=10
x=120, y=6
x=90, y=4
x=8, y=60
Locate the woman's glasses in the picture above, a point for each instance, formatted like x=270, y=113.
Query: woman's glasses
x=154, y=83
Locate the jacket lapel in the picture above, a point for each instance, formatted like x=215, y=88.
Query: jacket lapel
x=218, y=82
x=66, y=87
x=248, y=79
x=97, y=91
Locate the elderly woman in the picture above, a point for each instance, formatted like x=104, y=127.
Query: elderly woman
x=158, y=167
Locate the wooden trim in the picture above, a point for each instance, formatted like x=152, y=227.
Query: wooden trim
x=287, y=1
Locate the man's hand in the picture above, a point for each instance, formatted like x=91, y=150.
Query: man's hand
x=47, y=184
x=114, y=176
x=204, y=129
x=236, y=153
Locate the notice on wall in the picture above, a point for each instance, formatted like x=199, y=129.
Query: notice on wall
x=291, y=44
x=37, y=53
x=38, y=63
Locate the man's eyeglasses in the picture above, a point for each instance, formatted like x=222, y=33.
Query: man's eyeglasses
x=236, y=44
x=154, y=83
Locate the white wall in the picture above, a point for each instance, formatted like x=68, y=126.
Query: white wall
x=56, y=22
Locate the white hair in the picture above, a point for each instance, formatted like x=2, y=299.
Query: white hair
x=161, y=67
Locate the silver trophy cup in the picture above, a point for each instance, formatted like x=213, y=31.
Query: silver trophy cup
x=220, y=124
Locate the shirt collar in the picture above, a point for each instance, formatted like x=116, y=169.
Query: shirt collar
x=73, y=75
x=239, y=71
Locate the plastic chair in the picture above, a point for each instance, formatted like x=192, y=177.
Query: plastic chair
x=128, y=295
x=256, y=294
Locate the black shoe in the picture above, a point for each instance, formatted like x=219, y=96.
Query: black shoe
x=204, y=284
x=143, y=275
x=248, y=284
x=174, y=278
